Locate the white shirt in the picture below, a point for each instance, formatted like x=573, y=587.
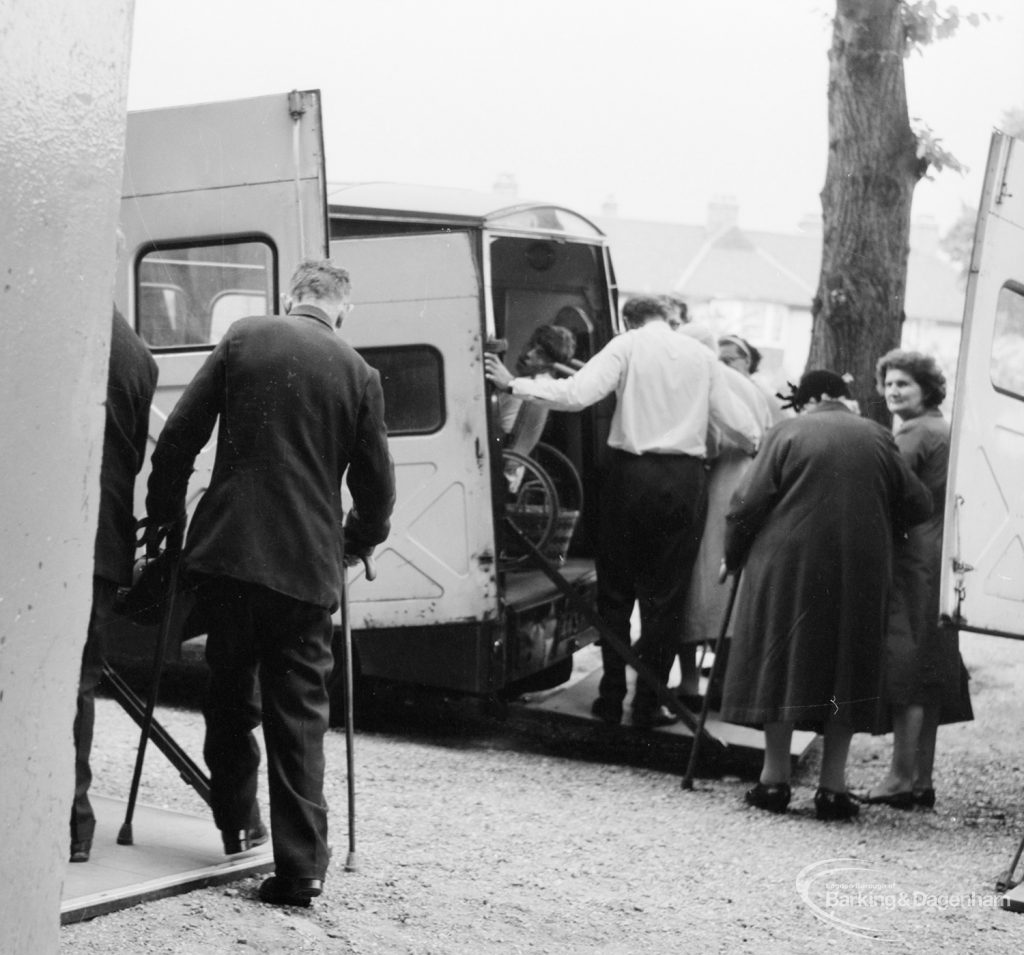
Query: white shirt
x=668, y=387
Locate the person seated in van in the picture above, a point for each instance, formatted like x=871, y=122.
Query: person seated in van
x=549, y=346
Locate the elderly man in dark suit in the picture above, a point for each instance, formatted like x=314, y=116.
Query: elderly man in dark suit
x=298, y=407
x=131, y=381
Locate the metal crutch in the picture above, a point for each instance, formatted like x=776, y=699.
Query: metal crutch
x=175, y=537
x=371, y=574
x=691, y=766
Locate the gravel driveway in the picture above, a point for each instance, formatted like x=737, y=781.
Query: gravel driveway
x=477, y=836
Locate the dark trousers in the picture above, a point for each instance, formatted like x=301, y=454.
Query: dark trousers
x=83, y=821
x=270, y=658
x=652, y=518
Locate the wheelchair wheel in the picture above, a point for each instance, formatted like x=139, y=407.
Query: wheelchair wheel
x=532, y=505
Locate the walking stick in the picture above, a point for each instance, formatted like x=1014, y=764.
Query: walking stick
x=691, y=766
x=174, y=540
x=371, y=573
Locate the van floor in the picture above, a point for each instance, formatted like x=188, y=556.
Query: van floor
x=526, y=587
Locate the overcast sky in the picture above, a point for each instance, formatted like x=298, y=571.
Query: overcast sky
x=661, y=104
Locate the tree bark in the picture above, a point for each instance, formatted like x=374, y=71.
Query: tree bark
x=869, y=184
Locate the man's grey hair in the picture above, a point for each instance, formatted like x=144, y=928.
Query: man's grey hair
x=319, y=278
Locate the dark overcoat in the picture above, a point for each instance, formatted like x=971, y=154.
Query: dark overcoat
x=297, y=407
x=923, y=664
x=131, y=381
x=813, y=526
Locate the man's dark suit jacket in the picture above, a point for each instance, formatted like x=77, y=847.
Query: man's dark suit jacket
x=297, y=406
x=131, y=381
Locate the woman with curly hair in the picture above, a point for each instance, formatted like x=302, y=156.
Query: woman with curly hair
x=925, y=682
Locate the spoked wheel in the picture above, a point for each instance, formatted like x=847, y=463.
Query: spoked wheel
x=532, y=505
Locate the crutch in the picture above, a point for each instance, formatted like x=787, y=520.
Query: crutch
x=371, y=573
x=691, y=766
x=174, y=541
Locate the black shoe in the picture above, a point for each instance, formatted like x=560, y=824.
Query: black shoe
x=830, y=805
x=771, y=797
x=925, y=798
x=607, y=711
x=283, y=890
x=652, y=719
x=692, y=701
x=80, y=851
x=900, y=800
x=241, y=840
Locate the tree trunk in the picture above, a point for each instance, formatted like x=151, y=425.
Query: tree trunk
x=872, y=170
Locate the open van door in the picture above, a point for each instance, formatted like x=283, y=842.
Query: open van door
x=220, y=203
x=982, y=584
x=417, y=319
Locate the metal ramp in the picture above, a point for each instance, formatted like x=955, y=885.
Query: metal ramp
x=573, y=700
x=173, y=853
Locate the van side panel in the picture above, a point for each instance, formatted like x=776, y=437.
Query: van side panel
x=194, y=175
x=982, y=586
x=420, y=296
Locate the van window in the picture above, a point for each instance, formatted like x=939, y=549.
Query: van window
x=187, y=296
x=412, y=377
x=1007, y=361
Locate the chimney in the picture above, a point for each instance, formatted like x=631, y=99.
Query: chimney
x=723, y=214
x=610, y=206
x=810, y=222
x=924, y=235
x=506, y=185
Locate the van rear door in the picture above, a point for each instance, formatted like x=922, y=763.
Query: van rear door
x=220, y=202
x=983, y=547
x=418, y=320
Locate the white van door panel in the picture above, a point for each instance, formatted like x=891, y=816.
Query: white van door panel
x=423, y=293
x=983, y=548
x=246, y=175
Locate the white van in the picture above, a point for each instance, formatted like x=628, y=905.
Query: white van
x=221, y=201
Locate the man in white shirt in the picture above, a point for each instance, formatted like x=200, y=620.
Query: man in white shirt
x=654, y=495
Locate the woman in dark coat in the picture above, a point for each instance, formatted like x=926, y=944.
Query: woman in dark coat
x=924, y=682
x=812, y=527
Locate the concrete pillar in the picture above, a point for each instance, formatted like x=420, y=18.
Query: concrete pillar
x=62, y=103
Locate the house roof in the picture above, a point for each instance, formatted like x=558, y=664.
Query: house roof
x=757, y=266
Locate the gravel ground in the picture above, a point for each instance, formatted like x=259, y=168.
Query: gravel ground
x=492, y=838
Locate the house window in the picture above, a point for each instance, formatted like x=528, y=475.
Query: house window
x=1006, y=364
x=412, y=377
x=188, y=295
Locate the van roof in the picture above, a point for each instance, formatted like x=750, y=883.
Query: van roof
x=390, y=200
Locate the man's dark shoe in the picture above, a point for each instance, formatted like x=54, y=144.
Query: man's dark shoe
x=283, y=890
x=80, y=851
x=652, y=719
x=692, y=701
x=607, y=711
x=241, y=840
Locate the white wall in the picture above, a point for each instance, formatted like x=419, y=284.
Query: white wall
x=62, y=99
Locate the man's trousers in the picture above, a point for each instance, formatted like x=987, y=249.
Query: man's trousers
x=270, y=660
x=652, y=518
x=83, y=821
